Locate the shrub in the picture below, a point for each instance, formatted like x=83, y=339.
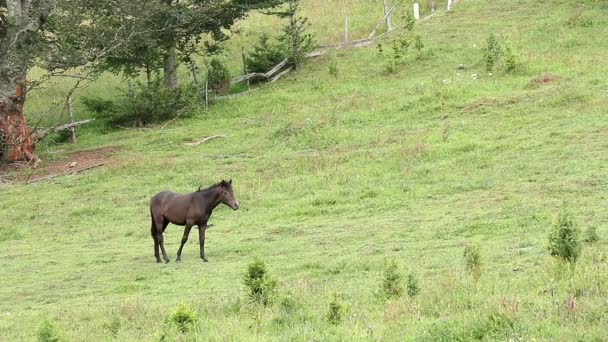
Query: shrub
x=472, y=259
x=412, y=285
x=591, y=235
x=333, y=67
x=418, y=43
x=564, y=239
x=391, y=282
x=264, y=56
x=218, y=77
x=492, y=52
x=334, y=315
x=48, y=332
x=260, y=286
x=510, y=58
x=183, y=317
x=143, y=104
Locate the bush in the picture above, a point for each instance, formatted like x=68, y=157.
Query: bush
x=218, y=77
x=564, y=239
x=591, y=235
x=510, y=58
x=48, y=332
x=264, y=56
x=183, y=317
x=334, y=315
x=260, y=286
x=391, y=283
x=143, y=104
x=412, y=285
x=492, y=52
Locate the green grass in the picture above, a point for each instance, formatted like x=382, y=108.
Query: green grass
x=337, y=176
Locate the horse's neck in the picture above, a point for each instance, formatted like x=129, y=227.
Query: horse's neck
x=214, y=196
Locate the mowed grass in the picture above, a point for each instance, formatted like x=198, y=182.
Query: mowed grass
x=337, y=176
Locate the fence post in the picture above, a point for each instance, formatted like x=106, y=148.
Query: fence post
x=346, y=25
x=416, y=11
x=71, y=114
x=433, y=5
x=449, y=5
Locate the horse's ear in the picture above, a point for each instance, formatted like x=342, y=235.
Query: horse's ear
x=230, y=181
x=199, y=188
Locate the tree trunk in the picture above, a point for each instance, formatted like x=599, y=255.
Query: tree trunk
x=16, y=53
x=170, y=68
x=16, y=135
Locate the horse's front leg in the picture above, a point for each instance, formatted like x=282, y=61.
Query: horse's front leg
x=201, y=237
x=184, y=240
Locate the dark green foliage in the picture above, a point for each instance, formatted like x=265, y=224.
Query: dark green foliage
x=260, y=285
x=564, y=239
x=183, y=317
x=391, y=282
x=218, y=77
x=492, y=52
x=399, y=47
x=412, y=285
x=333, y=67
x=334, y=315
x=591, y=235
x=48, y=332
x=265, y=55
x=418, y=43
x=143, y=104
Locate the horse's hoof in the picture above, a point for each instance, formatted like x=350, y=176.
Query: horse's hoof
x=205, y=260
x=167, y=261
x=158, y=261
x=179, y=261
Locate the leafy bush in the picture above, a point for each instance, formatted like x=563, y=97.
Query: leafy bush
x=492, y=52
x=510, y=58
x=334, y=315
x=564, y=239
x=260, y=286
x=412, y=285
x=48, y=332
x=143, y=104
x=218, y=77
x=264, y=56
x=183, y=317
x=391, y=282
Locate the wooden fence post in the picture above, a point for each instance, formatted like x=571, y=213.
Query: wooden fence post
x=416, y=11
x=346, y=25
x=71, y=114
x=449, y=5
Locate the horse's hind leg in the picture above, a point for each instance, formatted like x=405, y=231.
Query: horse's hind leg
x=153, y=233
x=161, y=224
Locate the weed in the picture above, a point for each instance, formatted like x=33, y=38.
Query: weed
x=260, y=286
x=49, y=332
x=391, y=282
x=591, y=235
x=412, y=285
x=564, y=239
x=183, y=318
x=492, y=52
x=334, y=315
x=472, y=259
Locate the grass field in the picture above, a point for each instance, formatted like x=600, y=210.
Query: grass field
x=336, y=177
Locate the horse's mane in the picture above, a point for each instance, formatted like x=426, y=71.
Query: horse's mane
x=221, y=183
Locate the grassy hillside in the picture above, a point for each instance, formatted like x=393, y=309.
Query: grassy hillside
x=336, y=177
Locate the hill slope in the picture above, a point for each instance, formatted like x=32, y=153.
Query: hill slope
x=335, y=177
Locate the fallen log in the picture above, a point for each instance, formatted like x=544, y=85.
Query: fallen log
x=44, y=132
x=204, y=140
x=43, y=179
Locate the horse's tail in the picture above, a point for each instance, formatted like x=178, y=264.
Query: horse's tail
x=152, y=230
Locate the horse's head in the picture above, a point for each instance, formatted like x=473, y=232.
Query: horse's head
x=227, y=195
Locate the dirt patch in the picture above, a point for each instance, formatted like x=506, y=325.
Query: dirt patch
x=71, y=164
x=481, y=103
x=542, y=80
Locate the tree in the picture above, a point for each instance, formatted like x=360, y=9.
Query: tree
x=20, y=25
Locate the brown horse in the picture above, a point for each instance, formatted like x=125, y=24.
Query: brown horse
x=188, y=210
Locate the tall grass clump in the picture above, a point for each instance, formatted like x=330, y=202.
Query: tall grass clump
x=492, y=53
x=260, y=286
x=472, y=260
x=564, y=241
x=412, y=285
